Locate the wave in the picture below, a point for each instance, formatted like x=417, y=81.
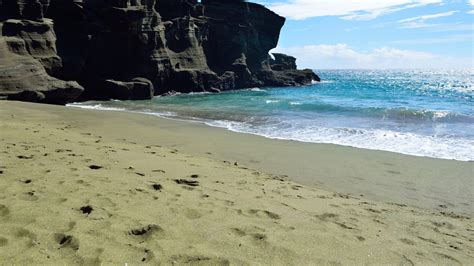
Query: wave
x=398, y=113
x=255, y=89
x=95, y=107
x=374, y=139
x=324, y=82
x=272, y=101
x=384, y=140
x=412, y=112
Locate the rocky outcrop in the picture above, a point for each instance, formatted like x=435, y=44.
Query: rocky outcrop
x=137, y=89
x=284, y=73
x=134, y=49
x=28, y=55
x=282, y=62
x=24, y=78
x=39, y=39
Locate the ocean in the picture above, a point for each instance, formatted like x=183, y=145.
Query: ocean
x=416, y=112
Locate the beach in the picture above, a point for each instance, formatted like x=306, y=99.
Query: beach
x=103, y=187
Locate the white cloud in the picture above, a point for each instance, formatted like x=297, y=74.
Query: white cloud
x=432, y=16
x=443, y=39
x=350, y=10
x=471, y=2
x=341, y=56
x=420, y=21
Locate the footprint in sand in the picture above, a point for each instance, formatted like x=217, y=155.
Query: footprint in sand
x=256, y=234
x=158, y=171
x=446, y=259
x=455, y=215
x=197, y=260
x=259, y=237
x=325, y=217
x=264, y=213
x=446, y=225
x=394, y=172
x=407, y=241
x=191, y=183
x=147, y=231
x=148, y=256
x=405, y=261
x=66, y=241
x=3, y=241
x=4, y=210
x=334, y=218
x=25, y=233
x=29, y=196
x=429, y=240
x=24, y=157
x=192, y=214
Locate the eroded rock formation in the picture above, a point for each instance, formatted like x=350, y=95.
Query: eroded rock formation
x=133, y=49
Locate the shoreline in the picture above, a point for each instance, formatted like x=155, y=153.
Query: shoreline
x=377, y=175
x=407, y=191
x=203, y=122
x=91, y=187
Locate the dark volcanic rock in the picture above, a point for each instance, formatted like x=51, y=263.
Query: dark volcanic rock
x=282, y=62
x=240, y=36
x=284, y=72
x=28, y=55
x=105, y=45
x=137, y=89
x=287, y=77
x=39, y=39
x=24, y=78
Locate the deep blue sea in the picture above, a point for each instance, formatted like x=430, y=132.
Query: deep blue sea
x=417, y=112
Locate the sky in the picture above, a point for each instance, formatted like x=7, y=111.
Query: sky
x=377, y=34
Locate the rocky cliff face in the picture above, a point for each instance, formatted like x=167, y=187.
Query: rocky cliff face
x=133, y=49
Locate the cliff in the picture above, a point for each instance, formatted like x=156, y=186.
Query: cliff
x=58, y=51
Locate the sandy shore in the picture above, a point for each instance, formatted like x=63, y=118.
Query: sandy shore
x=94, y=187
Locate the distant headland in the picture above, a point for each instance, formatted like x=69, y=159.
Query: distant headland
x=60, y=51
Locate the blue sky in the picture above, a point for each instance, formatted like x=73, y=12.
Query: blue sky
x=377, y=33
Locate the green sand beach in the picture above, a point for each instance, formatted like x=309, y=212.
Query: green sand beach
x=103, y=187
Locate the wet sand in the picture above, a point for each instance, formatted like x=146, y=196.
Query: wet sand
x=92, y=187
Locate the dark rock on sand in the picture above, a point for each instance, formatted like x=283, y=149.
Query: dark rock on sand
x=86, y=209
x=136, y=49
x=95, y=167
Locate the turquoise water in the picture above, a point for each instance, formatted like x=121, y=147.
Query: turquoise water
x=425, y=113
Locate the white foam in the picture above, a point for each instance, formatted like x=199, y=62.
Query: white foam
x=385, y=140
x=256, y=89
x=200, y=93
x=94, y=107
x=295, y=103
x=440, y=114
x=325, y=82
x=272, y=101
x=375, y=139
